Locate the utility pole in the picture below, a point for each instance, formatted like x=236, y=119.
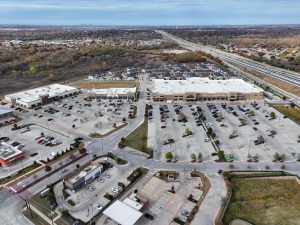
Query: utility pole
x=28, y=205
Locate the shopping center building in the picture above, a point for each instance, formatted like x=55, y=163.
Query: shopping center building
x=40, y=96
x=113, y=93
x=204, y=89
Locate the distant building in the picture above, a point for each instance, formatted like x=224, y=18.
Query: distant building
x=86, y=175
x=41, y=96
x=204, y=89
x=5, y=112
x=9, y=154
x=113, y=93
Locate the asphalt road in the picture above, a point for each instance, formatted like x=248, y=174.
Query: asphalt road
x=11, y=205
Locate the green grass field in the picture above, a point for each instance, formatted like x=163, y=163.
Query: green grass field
x=137, y=139
x=293, y=113
x=264, y=201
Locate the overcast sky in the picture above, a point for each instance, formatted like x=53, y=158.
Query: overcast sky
x=149, y=12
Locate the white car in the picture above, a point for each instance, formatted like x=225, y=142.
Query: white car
x=115, y=190
x=98, y=206
x=101, y=180
x=90, y=188
x=53, y=154
x=206, y=140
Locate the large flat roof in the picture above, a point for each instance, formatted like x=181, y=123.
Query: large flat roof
x=122, y=213
x=114, y=91
x=202, y=85
x=33, y=94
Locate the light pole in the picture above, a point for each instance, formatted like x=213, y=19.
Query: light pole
x=92, y=214
x=249, y=148
x=102, y=146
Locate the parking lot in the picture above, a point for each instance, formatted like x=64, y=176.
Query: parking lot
x=242, y=129
x=169, y=125
x=165, y=206
x=61, y=122
x=90, y=199
x=36, y=146
x=86, y=116
x=239, y=126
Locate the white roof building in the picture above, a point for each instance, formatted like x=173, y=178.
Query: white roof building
x=202, y=85
x=33, y=96
x=122, y=213
x=114, y=92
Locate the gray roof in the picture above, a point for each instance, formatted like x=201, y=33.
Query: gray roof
x=5, y=109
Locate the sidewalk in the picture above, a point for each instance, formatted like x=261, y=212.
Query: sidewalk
x=42, y=215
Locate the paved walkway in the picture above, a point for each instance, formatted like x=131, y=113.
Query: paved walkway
x=41, y=215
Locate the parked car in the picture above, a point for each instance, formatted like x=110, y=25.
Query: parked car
x=115, y=190
x=98, y=206
x=107, y=175
x=4, y=139
x=15, y=144
x=149, y=216
x=90, y=188
x=185, y=213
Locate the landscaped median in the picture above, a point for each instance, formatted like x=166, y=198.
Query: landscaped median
x=97, y=135
x=262, y=198
x=137, y=139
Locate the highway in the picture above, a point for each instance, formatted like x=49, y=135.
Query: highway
x=286, y=76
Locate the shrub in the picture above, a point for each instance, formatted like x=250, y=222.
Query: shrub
x=193, y=156
x=169, y=155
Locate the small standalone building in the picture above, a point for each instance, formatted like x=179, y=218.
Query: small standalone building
x=86, y=175
x=40, y=96
x=5, y=112
x=204, y=89
x=9, y=154
x=129, y=211
x=113, y=93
